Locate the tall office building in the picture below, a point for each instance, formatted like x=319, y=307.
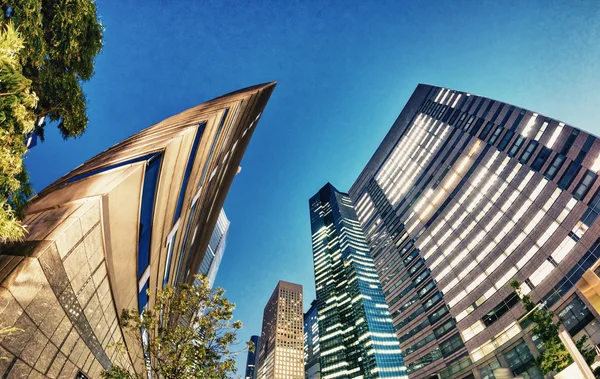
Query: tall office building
x=216, y=247
x=133, y=218
x=355, y=328
x=312, y=347
x=281, y=354
x=252, y=359
x=464, y=195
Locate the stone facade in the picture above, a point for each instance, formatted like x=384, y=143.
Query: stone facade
x=56, y=291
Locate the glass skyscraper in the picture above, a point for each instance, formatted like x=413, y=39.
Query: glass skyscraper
x=216, y=248
x=252, y=359
x=312, y=346
x=355, y=328
x=464, y=195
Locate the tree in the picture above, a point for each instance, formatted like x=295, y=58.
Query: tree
x=47, y=51
x=190, y=334
x=63, y=38
x=554, y=357
x=17, y=118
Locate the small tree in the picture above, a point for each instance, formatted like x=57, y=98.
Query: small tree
x=555, y=356
x=190, y=334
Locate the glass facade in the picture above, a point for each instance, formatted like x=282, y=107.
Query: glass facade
x=357, y=338
x=312, y=346
x=464, y=195
x=252, y=359
x=216, y=248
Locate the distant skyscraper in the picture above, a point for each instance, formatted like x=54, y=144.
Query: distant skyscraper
x=216, y=248
x=355, y=328
x=463, y=195
x=110, y=233
x=312, y=348
x=252, y=359
x=281, y=355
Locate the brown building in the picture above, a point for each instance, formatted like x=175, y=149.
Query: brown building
x=281, y=354
x=464, y=195
x=135, y=217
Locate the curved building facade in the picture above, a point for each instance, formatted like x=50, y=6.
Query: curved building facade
x=132, y=219
x=464, y=195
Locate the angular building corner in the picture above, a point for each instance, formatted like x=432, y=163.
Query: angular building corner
x=464, y=195
x=135, y=217
x=356, y=335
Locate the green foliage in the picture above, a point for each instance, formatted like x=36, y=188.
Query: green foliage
x=555, y=356
x=17, y=118
x=191, y=333
x=63, y=39
x=588, y=352
x=47, y=50
x=117, y=372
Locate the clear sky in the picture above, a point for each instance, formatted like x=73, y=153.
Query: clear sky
x=345, y=70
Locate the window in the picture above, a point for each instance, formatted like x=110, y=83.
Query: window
x=585, y=149
x=468, y=124
x=461, y=120
x=477, y=126
x=519, y=357
x=487, y=371
x=486, y=130
x=432, y=301
x=516, y=146
x=424, y=341
x=554, y=166
x=504, y=142
x=444, y=328
x=147, y=211
x=438, y=314
x=496, y=134
x=541, y=158
x=451, y=345
x=584, y=185
x=576, y=316
x=569, y=175
x=500, y=309
x=188, y=169
x=528, y=152
x=567, y=146
x=454, y=117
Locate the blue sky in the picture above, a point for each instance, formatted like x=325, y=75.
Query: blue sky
x=345, y=70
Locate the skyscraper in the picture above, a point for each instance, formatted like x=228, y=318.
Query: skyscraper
x=281, y=355
x=312, y=347
x=355, y=328
x=216, y=248
x=252, y=359
x=133, y=218
x=464, y=195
